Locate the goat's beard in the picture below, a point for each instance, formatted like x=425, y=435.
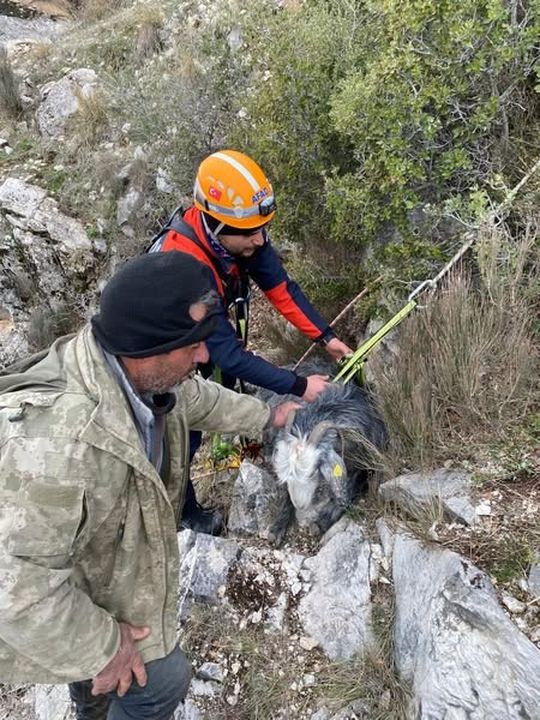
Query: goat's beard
x=295, y=462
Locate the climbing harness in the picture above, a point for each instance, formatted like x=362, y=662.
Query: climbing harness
x=223, y=454
x=236, y=288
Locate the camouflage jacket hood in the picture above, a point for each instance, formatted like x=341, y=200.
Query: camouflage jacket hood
x=87, y=526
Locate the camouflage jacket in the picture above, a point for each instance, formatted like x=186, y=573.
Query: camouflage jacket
x=87, y=526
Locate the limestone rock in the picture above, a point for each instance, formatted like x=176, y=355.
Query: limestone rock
x=205, y=562
x=52, y=702
x=59, y=100
x=446, y=490
x=453, y=642
x=210, y=671
x=386, y=536
x=20, y=198
x=259, y=505
x=163, y=182
x=204, y=688
x=29, y=211
x=336, y=611
x=127, y=207
x=534, y=578
x=46, y=261
x=17, y=31
x=187, y=711
x=13, y=342
x=275, y=616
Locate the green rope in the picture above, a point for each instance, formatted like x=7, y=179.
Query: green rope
x=354, y=365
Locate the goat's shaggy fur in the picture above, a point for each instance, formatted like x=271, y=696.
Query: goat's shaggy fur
x=324, y=469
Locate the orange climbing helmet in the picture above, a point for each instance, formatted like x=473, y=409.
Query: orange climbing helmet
x=233, y=189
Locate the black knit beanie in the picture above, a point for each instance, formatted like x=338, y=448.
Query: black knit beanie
x=144, y=308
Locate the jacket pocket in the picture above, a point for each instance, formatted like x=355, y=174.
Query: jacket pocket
x=46, y=519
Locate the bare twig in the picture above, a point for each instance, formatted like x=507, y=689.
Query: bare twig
x=341, y=314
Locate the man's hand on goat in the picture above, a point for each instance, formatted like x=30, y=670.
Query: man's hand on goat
x=337, y=349
x=118, y=673
x=315, y=386
x=281, y=413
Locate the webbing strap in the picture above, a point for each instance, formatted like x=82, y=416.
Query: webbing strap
x=356, y=361
x=235, y=296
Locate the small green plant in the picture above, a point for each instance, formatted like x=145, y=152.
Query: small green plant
x=512, y=561
x=55, y=181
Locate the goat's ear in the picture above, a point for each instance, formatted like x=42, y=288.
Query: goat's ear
x=334, y=473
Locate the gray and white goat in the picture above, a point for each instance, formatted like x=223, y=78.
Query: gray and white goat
x=326, y=451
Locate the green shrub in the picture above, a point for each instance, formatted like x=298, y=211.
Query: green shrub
x=365, y=110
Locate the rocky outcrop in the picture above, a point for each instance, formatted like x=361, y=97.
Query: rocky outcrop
x=17, y=31
x=336, y=611
x=46, y=260
x=204, y=568
x=61, y=99
x=444, y=491
x=534, y=577
x=453, y=642
x=52, y=702
x=259, y=505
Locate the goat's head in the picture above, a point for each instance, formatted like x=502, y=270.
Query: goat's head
x=314, y=472
x=324, y=452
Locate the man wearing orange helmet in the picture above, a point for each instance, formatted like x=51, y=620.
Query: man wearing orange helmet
x=226, y=229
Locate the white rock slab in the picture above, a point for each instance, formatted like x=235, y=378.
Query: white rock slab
x=336, y=611
x=15, y=31
x=454, y=644
x=59, y=100
x=204, y=565
x=259, y=506
x=52, y=702
x=443, y=490
x=534, y=578
x=187, y=711
x=21, y=198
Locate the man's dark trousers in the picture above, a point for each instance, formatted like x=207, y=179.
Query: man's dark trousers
x=168, y=681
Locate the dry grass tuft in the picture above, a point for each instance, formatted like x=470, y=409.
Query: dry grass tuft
x=150, y=22
x=90, y=122
x=47, y=324
x=94, y=10
x=10, y=99
x=467, y=369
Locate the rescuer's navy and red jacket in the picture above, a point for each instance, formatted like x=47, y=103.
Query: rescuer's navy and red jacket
x=226, y=349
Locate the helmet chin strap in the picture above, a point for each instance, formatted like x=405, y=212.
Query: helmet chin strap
x=213, y=233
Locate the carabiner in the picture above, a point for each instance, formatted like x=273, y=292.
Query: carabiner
x=420, y=288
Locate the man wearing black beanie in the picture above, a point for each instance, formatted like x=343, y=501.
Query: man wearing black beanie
x=93, y=469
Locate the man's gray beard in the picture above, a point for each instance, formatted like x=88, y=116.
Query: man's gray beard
x=157, y=388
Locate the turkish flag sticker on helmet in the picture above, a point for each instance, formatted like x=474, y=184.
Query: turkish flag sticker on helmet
x=214, y=193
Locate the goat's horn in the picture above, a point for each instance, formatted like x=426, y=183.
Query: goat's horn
x=318, y=431
x=290, y=419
